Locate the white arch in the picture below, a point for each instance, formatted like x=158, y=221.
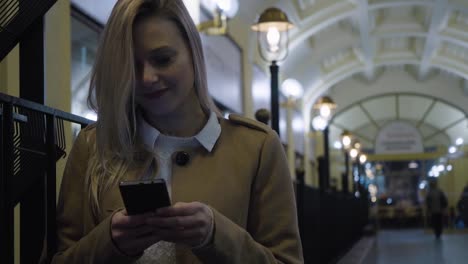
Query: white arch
x=354, y=67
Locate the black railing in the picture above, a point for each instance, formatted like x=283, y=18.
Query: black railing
x=329, y=222
x=32, y=140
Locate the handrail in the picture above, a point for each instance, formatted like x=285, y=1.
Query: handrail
x=32, y=139
x=43, y=109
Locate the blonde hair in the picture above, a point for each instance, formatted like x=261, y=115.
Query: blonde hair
x=113, y=82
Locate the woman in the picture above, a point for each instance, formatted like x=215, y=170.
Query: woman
x=228, y=179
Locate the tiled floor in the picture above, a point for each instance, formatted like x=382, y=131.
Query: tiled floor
x=418, y=246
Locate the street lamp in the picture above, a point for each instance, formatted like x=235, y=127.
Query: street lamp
x=359, y=158
x=293, y=90
x=346, y=139
x=273, y=39
x=322, y=111
x=325, y=107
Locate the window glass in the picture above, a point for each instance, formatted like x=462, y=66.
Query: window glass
x=84, y=45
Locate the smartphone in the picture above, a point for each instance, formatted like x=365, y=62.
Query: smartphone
x=144, y=196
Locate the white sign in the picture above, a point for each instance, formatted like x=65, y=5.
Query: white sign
x=397, y=138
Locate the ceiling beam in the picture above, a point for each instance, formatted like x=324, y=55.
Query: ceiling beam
x=354, y=133
x=369, y=116
x=367, y=42
x=455, y=37
x=396, y=3
x=438, y=19
x=321, y=19
x=443, y=130
x=428, y=110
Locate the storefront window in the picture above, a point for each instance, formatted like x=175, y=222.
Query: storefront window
x=85, y=37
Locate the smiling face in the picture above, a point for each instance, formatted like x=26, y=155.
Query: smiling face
x=164, y=68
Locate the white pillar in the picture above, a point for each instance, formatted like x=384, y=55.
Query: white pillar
x=289, y=131
x=308, y=153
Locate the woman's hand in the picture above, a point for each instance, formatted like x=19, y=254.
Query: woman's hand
x=131, y=234
x=186, y=223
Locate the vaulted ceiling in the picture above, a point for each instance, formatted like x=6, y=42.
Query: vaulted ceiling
x=380, y=60
x=409, y=56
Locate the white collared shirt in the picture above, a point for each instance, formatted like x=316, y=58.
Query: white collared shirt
x=164, y=146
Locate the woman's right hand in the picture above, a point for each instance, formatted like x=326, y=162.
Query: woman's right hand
x=131, y=234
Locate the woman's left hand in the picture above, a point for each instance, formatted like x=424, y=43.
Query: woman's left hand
x=187, y=223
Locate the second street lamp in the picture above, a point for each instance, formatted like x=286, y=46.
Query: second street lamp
x=273, y=39
x=323, y=111
x=346, y=139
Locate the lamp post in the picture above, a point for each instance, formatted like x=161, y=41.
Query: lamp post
x=323, y=110
x=293, y=90
x=355, y=153
x=362, y=161
x=273, y=39
x=346, y=139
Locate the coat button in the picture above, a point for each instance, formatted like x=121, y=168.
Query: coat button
x=182, y=158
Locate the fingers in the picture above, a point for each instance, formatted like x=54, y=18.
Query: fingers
x=178, y=222
x=138, y=232
x=180, y=209
x=187, y=223
x=121, y=220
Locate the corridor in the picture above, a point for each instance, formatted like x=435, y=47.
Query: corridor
x=415, y=246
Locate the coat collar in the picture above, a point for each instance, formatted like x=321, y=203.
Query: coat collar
x=207, y=137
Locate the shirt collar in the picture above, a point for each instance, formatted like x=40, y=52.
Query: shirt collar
x=207, y=137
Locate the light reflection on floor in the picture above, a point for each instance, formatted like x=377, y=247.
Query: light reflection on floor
x=416, y=246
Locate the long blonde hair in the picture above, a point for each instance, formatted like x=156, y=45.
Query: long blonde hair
x=113, y=83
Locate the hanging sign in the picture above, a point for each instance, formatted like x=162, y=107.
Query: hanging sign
x=398, y=137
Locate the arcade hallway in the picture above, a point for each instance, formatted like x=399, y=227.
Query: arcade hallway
x=416, y=246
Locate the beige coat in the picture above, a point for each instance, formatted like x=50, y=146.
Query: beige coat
x=245, y=180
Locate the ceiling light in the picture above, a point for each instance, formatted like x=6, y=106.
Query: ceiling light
x=413, y=165
x=362, y=159
x=319, y=123
x=272, y=34
x=292, y=88
x=353, y=153
x=337, y=145
x=452, y=149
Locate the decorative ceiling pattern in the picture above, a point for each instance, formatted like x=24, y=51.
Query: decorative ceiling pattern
x=438, y=122
x=338, y=40
x=403, y=55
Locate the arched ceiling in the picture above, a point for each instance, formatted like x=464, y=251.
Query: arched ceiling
x=358, y=49
x=340, y=40
x=437, y=121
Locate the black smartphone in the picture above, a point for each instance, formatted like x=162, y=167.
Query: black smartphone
x=144, y=196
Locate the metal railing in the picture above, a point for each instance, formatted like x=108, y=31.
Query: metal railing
x=32, y=139
x=329, y=222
